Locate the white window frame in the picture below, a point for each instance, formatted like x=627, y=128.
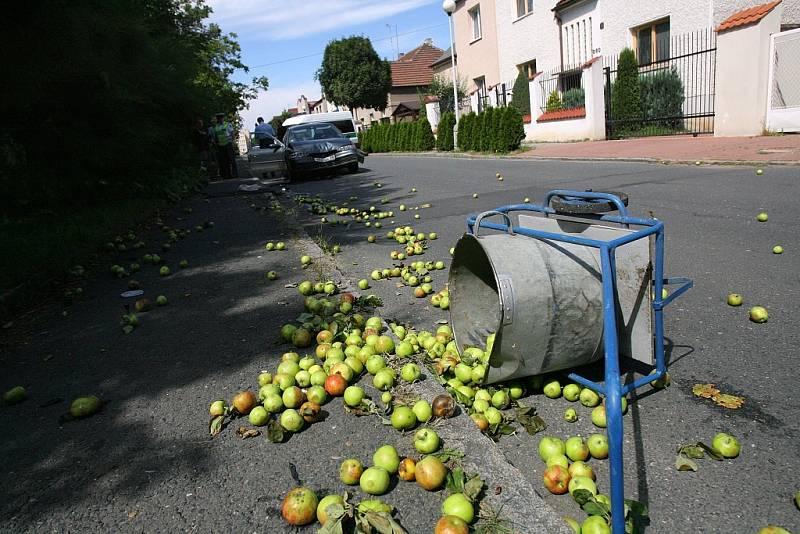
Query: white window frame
x=524, y=8
x=475, y=18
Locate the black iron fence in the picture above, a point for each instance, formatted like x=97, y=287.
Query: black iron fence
x=675, y=87
x=561, y=89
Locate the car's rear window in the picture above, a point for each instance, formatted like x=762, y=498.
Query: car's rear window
x=312, y=132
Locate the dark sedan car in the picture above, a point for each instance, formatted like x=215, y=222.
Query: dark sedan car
x=319, y=146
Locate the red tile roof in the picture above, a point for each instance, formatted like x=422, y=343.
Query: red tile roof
x=562, y=114
x=414, y=68
x=748, y=16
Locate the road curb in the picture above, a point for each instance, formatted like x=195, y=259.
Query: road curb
x=508, y=492
x=658, y=161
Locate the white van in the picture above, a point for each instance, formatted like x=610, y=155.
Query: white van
x=343, y=120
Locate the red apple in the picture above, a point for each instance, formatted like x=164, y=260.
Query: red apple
x=556, y=479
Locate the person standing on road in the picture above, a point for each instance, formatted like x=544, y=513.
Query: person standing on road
x=223, y=140
x=263, y=130
x=201, y=141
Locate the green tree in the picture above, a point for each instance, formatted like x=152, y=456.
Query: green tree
x=353, y=74
x=426, y=139
x=626, y=103
x=553, y=101
x=444, y=132
x=277, y=123
x=103, y=108
x=521, y=98
x=442, y=87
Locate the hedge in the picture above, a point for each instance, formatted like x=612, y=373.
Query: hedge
x=400, y=137
x=493, y=130
x=662, y=97
x=444, y=132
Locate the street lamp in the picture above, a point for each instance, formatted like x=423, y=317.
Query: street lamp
x=449, y=7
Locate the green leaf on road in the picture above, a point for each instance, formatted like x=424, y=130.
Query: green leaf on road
x=216, y=425
x=275, y=431
x=336, y=516
x=446, y=455
x=683, y=463
x=527, y=417
x=474, y=487
x=455, y=481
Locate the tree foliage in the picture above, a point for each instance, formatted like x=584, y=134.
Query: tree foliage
x=521, y=98
x=277, y=123
x=99, y=98
x=626, y=104
x=444, y=132
x=354, y=75
x=442, y=87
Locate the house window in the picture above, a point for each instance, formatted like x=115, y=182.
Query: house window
x=475, y=17
x=482, y=96
x=524, y=7
x=528, y=68
x=652, y=42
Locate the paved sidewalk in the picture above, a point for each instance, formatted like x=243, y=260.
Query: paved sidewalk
x=779, y=149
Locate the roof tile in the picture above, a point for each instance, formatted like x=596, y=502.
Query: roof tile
x=562, y=114
x=414, y=68
x=747, y=16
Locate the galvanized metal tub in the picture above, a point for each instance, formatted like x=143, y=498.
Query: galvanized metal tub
x=542, y=299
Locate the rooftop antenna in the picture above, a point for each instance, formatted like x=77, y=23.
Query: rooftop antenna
x=396, y=40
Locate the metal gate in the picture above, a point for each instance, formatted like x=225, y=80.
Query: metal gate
x=783, y=99
x=676, y=89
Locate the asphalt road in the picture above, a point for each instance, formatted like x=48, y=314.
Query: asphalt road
x=712, y=236
x=146, y=464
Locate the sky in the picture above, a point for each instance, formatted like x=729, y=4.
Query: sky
x=273, y=33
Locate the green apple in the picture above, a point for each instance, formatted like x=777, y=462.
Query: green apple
x=383, y=379
x=386, y=397
x=273, y=403
x=589, y=398
x=353, y=395
x=291, y=420
x=500, y=400
x=598, y=446
x=552, y=389
x=777, y=249
x=557, y=459
x=726, y=445
x=480, y=405
x=463, y=372
x=596, y=524
x=550, y=445
x=772, y=529
x=735, y=299
x=403, y=418
x=318, y=378
x=581, y=482
x=458, y=505
x=161, y=300
x=363, y=283
x=317, y=394
x=570, y=415
x=758, y=314
x=374, y=481
x=264, y=378
x=305, y=260
x=493, y=415
x=581, y=469
x=15, y=395
x=599, y=416
x=324, y=503
x=762, y=217
x=303, y=379
x=375, y=363
x=574, y=525
x=387, y=458
x=571, y=392
x=576, y=450
x=410, y=372
x=258, y=416
x=164, y=271
x=426, y=441
x=422, y=409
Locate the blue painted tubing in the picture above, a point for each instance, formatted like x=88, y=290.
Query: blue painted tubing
x=612, y=389
x=613, y=392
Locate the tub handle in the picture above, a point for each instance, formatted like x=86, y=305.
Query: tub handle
x=490, y=214
x=506, y=290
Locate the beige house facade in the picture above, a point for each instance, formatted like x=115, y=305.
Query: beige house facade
x=475, y=36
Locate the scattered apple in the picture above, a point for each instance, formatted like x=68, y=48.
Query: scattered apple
x=556, y=479
x=299, y=506
x=598, y=446
x=762, y=217
x=735, y=299
x=570, y=415
x=596, y=524
x=599, y=416
x=571, y=392
x=552, y=389
x=758, y=314
x=726, y=445
x=550, y=445
x=353, y=396
x=576, y=450
x=589, y=398
x=350, y=471
x=430, y=473
x=458, y=505
x=322, y=507
x=450, y=524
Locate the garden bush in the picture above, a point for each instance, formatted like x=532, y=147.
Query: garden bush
x=662, y=97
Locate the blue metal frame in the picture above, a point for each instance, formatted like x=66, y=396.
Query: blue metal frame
x=612, y=388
